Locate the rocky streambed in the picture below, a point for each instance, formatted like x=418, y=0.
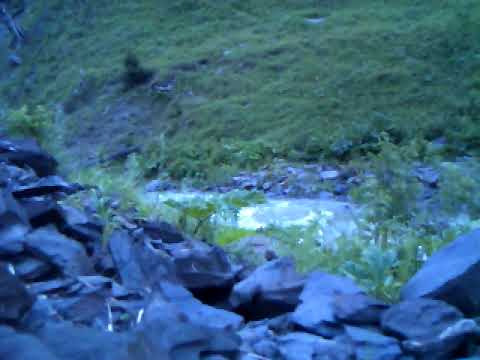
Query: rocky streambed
x=150, y=292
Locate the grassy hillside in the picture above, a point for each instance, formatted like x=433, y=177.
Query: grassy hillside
x=256, y=79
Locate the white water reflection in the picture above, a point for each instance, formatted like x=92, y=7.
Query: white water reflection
x=334, y=218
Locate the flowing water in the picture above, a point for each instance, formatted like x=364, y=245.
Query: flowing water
x=335, y=218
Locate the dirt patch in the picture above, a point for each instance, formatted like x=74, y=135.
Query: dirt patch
x=111, y=121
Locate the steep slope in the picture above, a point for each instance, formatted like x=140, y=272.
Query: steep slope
x=303, y=80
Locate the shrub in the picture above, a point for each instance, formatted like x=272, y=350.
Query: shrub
x=390, y=192
x=459, y=184
x=30, y=121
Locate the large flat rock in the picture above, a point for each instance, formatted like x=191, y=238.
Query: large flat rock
x=451, y=274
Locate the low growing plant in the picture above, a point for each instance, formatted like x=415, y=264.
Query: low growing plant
x=33, y=122
x=390, y=192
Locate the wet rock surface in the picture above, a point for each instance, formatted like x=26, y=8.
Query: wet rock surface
x=152, y=293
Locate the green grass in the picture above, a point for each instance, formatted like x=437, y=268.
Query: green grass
x=266, y=85
x=305, y=92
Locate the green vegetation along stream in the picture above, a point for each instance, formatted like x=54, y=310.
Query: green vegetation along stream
x=336, y=218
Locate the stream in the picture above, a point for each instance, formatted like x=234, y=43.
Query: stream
x=336, y=218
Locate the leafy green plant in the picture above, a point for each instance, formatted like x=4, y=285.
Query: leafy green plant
x=153, y=156
x=380, y=268
x=30, y=121
x=250, y=155
x=390, y=192
x=226, y=235
x=374, y=271
x=459, y=186
x=212, y=219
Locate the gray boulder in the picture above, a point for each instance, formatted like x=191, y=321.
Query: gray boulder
x=428, y=327
x=463, y=334
x=27, y=154
x=358, y=309
x=370, y=344
x=271, y=290
x=140, y=267
x=67, y=341
x=258, y=338
x=207, y=273
x=253, y=250
x=13, y=225
x=317, y=311
x=44, y=186
x=11, y=174
x=419, y=318
x=17, y=346
x=161, y=230
x=15, y=301
x=66, y=254
x=50, y=286
x=30, y=269
x=193, y=311
x=451, y=274
x=41, y=211
x=79, y=226
x=303, y=346
x=170, y=331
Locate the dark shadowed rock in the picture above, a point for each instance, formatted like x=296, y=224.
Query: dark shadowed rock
x=44, y=186
x=303, y=346
x=181, y=249
x=93, y=283
x=370, y=345
x=451, y=275
x=41, y=211
x=71, y=342
x=15, y=301
x=161, y=230
x=123, y=253
x=316, y=313
x=13, y=224
x=419, y=318
x=86, y=309
x=30, y=269
x=463, y=334
x=196, y=313
x=427, y=322
x=103, y=261
x=139, y=265
x=257, y=338
x=271, y=290
x=66, y=254
x=252, y=250
x=17, y=346
x=174, y=333
x=50, y=286
x=11, y=239
x=41, y=312
x=27, y=153
x=359, y=309
x=11, y=174
x=79, y=226
x=208, y=274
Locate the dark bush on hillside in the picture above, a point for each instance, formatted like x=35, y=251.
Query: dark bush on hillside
x=135, y=74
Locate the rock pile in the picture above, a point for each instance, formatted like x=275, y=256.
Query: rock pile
x=152, y=293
